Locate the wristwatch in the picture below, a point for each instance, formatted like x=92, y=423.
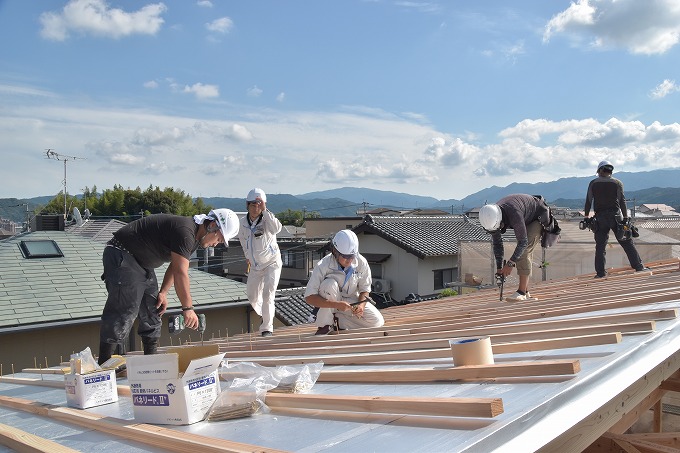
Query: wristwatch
x=510, y=263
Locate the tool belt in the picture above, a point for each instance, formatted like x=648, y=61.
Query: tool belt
x=116, y=244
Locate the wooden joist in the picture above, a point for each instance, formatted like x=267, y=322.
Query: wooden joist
x=286, y=358
x=451, y=407
x=22, y=441
x=156, y=436
x=471, y=372
x=447, y=407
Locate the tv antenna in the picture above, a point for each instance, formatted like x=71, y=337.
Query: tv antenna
x=51, y=154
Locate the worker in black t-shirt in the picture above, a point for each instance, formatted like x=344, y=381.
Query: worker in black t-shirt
x=130, y=258
x=605, y=195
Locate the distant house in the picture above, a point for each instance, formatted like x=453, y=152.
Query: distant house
x=416, y=254
x=52, y=295
x=424, y=212
x=382, y=212
x=657, y=210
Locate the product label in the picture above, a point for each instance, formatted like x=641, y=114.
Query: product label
x=150, y=400
x=198, y=383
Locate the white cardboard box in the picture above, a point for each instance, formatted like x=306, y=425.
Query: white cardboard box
x=92, y=389
x=177, y=388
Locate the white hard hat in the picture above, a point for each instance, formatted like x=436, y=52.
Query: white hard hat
x=490, y=216
x=606, y=165
x=228, y=220
x=256, y=193
x=346, y=242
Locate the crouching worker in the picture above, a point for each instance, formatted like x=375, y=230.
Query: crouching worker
x=129, y=261
x=339, y=287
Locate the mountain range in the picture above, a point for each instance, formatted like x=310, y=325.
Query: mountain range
x=650, y=187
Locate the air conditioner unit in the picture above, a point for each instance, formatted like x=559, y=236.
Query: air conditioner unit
x=380, y=285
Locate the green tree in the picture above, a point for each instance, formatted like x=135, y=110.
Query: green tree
x=129, y=203
x=296, y=218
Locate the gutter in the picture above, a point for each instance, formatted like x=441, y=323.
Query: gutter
x=74, y=322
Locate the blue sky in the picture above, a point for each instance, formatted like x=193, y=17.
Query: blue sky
x=428, y=98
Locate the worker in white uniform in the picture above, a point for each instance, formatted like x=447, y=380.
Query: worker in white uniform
x=257, y=236
x=340, y=285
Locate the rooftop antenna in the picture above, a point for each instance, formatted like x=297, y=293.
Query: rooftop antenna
x=51, y=154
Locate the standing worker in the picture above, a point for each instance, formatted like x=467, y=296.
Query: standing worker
x=257, y=235
x=340, y=285
x=528, y=216
x=605, y=195
x=130, y=258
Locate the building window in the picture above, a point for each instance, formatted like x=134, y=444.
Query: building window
x=293, y=259
x=40, y=249
x=443, y=276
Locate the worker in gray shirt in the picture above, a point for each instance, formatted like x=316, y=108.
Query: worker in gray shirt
x=528, y=216
x=605, y=195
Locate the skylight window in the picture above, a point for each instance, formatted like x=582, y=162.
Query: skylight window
x=40, y=249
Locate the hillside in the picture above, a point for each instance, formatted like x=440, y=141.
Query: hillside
x=659, y=186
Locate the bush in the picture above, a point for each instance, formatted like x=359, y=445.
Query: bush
x=447, y=292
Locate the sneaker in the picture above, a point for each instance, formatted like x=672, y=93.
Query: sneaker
x=600, y=276
x=643, y=269
x=517, y=297
x=325, y=330
x=267, y=333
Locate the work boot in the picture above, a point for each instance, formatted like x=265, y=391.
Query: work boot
x=106, y=350
x=150, y=345
x=517, y=297
x=325, y=330
x=266, y=333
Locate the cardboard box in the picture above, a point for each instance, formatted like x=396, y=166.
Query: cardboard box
x=91, y=389
x=177, y=388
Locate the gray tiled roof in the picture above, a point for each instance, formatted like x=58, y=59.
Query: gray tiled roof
x=424, y=236
x=291, y=308
x=97, y=229
x=69, y=288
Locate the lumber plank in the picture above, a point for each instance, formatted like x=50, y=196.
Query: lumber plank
x=450, y=407
x=440, y=339
x=24, y=442
x=432, y=353
x=157, y=436
x=514, y=369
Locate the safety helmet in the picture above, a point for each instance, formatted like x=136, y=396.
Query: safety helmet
x=606, y=165
x=228, y=221
x=256, y=193
x=490, y=216
x=346, y=242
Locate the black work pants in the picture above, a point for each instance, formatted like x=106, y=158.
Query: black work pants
x=605, y=223
x=132, y=293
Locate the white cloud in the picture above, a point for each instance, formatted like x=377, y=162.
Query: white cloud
x=222, y=25
x=239, y=133
x=254, y=92
x=204, y=3
x=203, y=91
x=281, y=97
x=423, y=7
x=664, y=89
x=304, y=151
x=642, y=27
x=95, y=17
x=151, y=84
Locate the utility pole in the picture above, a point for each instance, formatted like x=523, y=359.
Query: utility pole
x=51, y=154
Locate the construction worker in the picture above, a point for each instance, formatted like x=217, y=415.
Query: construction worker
x=605, y=195
x=130, y=258
x=257, y=235
x=528, y=216
x=340, y=285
